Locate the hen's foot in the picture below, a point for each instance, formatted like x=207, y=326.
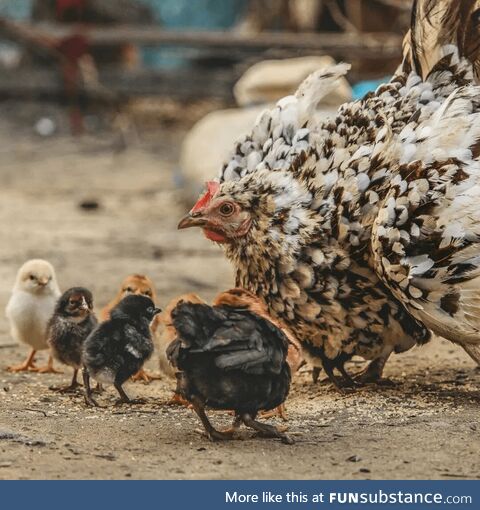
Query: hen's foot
x=372, y=374
x=365, y=379
x=266, y=430
x=145, y=377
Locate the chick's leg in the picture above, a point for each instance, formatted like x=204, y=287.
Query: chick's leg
x=71, y=387
x=89, y=400
x=48, y=368
x=145, y=377
x=212, y=433
x=124, y=398
x=279, y=411
x=28, y=364
x=265, y=429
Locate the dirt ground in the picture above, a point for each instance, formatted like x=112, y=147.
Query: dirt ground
x=424, y=427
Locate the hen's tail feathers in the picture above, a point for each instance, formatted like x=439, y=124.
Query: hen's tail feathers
x=473, y=351
x=316, y=86
x=437, y=24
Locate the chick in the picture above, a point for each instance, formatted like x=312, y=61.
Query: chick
x=137, y=284
x=230, y=358
x=71, y=323
x=118, y=347
x=166, y=334
x=242, y=298
x=30, y=307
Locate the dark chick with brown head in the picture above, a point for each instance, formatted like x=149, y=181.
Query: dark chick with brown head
x=71, y=323
x=232, y=359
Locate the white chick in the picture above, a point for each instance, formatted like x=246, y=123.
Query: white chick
x=30, y=307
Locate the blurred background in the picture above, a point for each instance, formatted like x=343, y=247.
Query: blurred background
x=114, y=112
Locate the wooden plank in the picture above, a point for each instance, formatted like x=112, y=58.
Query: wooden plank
x=47, y=84
x=385, y=45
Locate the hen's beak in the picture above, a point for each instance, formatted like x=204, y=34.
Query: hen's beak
x=192, y=220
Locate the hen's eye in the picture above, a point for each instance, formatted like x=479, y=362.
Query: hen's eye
x=226, y=209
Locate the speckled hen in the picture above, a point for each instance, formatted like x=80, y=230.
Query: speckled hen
x=362, y=233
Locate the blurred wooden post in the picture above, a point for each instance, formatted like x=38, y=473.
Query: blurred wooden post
x=372, y=16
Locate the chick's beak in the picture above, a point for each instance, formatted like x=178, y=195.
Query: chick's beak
x=192, y=220
x=42, y=281
x=157, y=311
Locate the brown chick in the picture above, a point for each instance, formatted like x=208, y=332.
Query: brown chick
x=138, y=284
x=166, y=333
x=242, y=298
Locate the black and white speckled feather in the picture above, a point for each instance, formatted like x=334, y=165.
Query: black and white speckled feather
x=361, y=233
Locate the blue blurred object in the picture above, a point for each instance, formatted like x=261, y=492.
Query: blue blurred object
x=185, y=14
x=16, y=9
x=200, y=14
x=364, y=87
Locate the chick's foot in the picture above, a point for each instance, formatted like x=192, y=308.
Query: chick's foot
x=26, y=366
x=145, y=377
x=266, y=430
x=48, y=368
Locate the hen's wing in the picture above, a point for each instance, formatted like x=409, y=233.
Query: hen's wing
x=426, y=236
x=237, y=339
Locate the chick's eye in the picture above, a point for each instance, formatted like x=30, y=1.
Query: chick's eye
x=227, y=209
x=32, y=277
x=148, y=293
x=128, y=289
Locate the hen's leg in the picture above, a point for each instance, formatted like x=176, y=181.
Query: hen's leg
x=212, y=433
x=71, y=387
x=349, y=381
x=373, y=372
x=28, y=364
x=48, y=368
x=145, y=377
x=124, y=398
x=89, y=400
x=315, y=374
x=265, y=429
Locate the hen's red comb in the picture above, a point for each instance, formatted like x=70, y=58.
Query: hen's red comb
x=204, y=200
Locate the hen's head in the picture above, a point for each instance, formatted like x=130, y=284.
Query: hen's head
x=222, y=217
x=265, y=203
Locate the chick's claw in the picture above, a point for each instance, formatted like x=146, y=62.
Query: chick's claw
x=145, y=377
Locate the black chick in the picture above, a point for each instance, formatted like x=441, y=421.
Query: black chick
x=72, y=321
x=119, y=347
x=230, y=358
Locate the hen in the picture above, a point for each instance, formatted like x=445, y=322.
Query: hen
x=362, y=233
x=230, y=358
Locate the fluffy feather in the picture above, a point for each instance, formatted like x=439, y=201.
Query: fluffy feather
x=379, y=203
